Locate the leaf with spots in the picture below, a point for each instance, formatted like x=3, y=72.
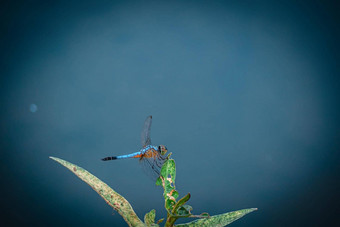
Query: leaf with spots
x=167, y=178
x=218, y=220
x=115, y=200
x=149, y=218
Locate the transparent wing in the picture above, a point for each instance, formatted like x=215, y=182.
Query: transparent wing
x=145, y=136
x=152, y=166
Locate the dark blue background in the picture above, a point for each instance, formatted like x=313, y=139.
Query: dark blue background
x=244, y=93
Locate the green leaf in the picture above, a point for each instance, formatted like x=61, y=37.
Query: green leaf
x=181, y=202
x=169, y=204
x=160, y=220
x=219, y=220
x=159, y=181
x=175, y=194
x=184, y=210
x=115, y=200
x=168, y=176
x=169, y=170
x=149, y=218
x=205, y=214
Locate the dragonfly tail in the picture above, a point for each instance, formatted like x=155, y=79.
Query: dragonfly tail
x=133, y=155
x=109, y=158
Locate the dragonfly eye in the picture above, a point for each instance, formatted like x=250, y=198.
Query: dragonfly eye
x=162, y=149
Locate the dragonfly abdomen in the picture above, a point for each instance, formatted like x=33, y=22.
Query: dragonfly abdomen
x=109, y=158
x=133, y=155
x=147, y=152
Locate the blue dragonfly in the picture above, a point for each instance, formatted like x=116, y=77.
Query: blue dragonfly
x=152, y=157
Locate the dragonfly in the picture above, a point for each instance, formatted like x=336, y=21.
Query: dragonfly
x=151, y=157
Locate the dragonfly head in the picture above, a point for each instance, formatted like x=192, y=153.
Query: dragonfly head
x=162, y=149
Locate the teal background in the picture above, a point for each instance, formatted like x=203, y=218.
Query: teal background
x=243, y=93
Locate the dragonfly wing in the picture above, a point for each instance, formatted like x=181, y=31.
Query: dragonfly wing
x=145, y=136
x=152, y=166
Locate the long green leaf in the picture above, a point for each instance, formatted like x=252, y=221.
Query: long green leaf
x=218, y=220
x=115, y=200
x=168, y=176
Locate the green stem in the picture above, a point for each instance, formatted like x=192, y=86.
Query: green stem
x=170, y=221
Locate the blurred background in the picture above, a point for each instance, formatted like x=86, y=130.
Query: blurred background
x=244, y=93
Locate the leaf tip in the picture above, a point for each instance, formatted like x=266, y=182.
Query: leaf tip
x=251, y=210
x=57, y=160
